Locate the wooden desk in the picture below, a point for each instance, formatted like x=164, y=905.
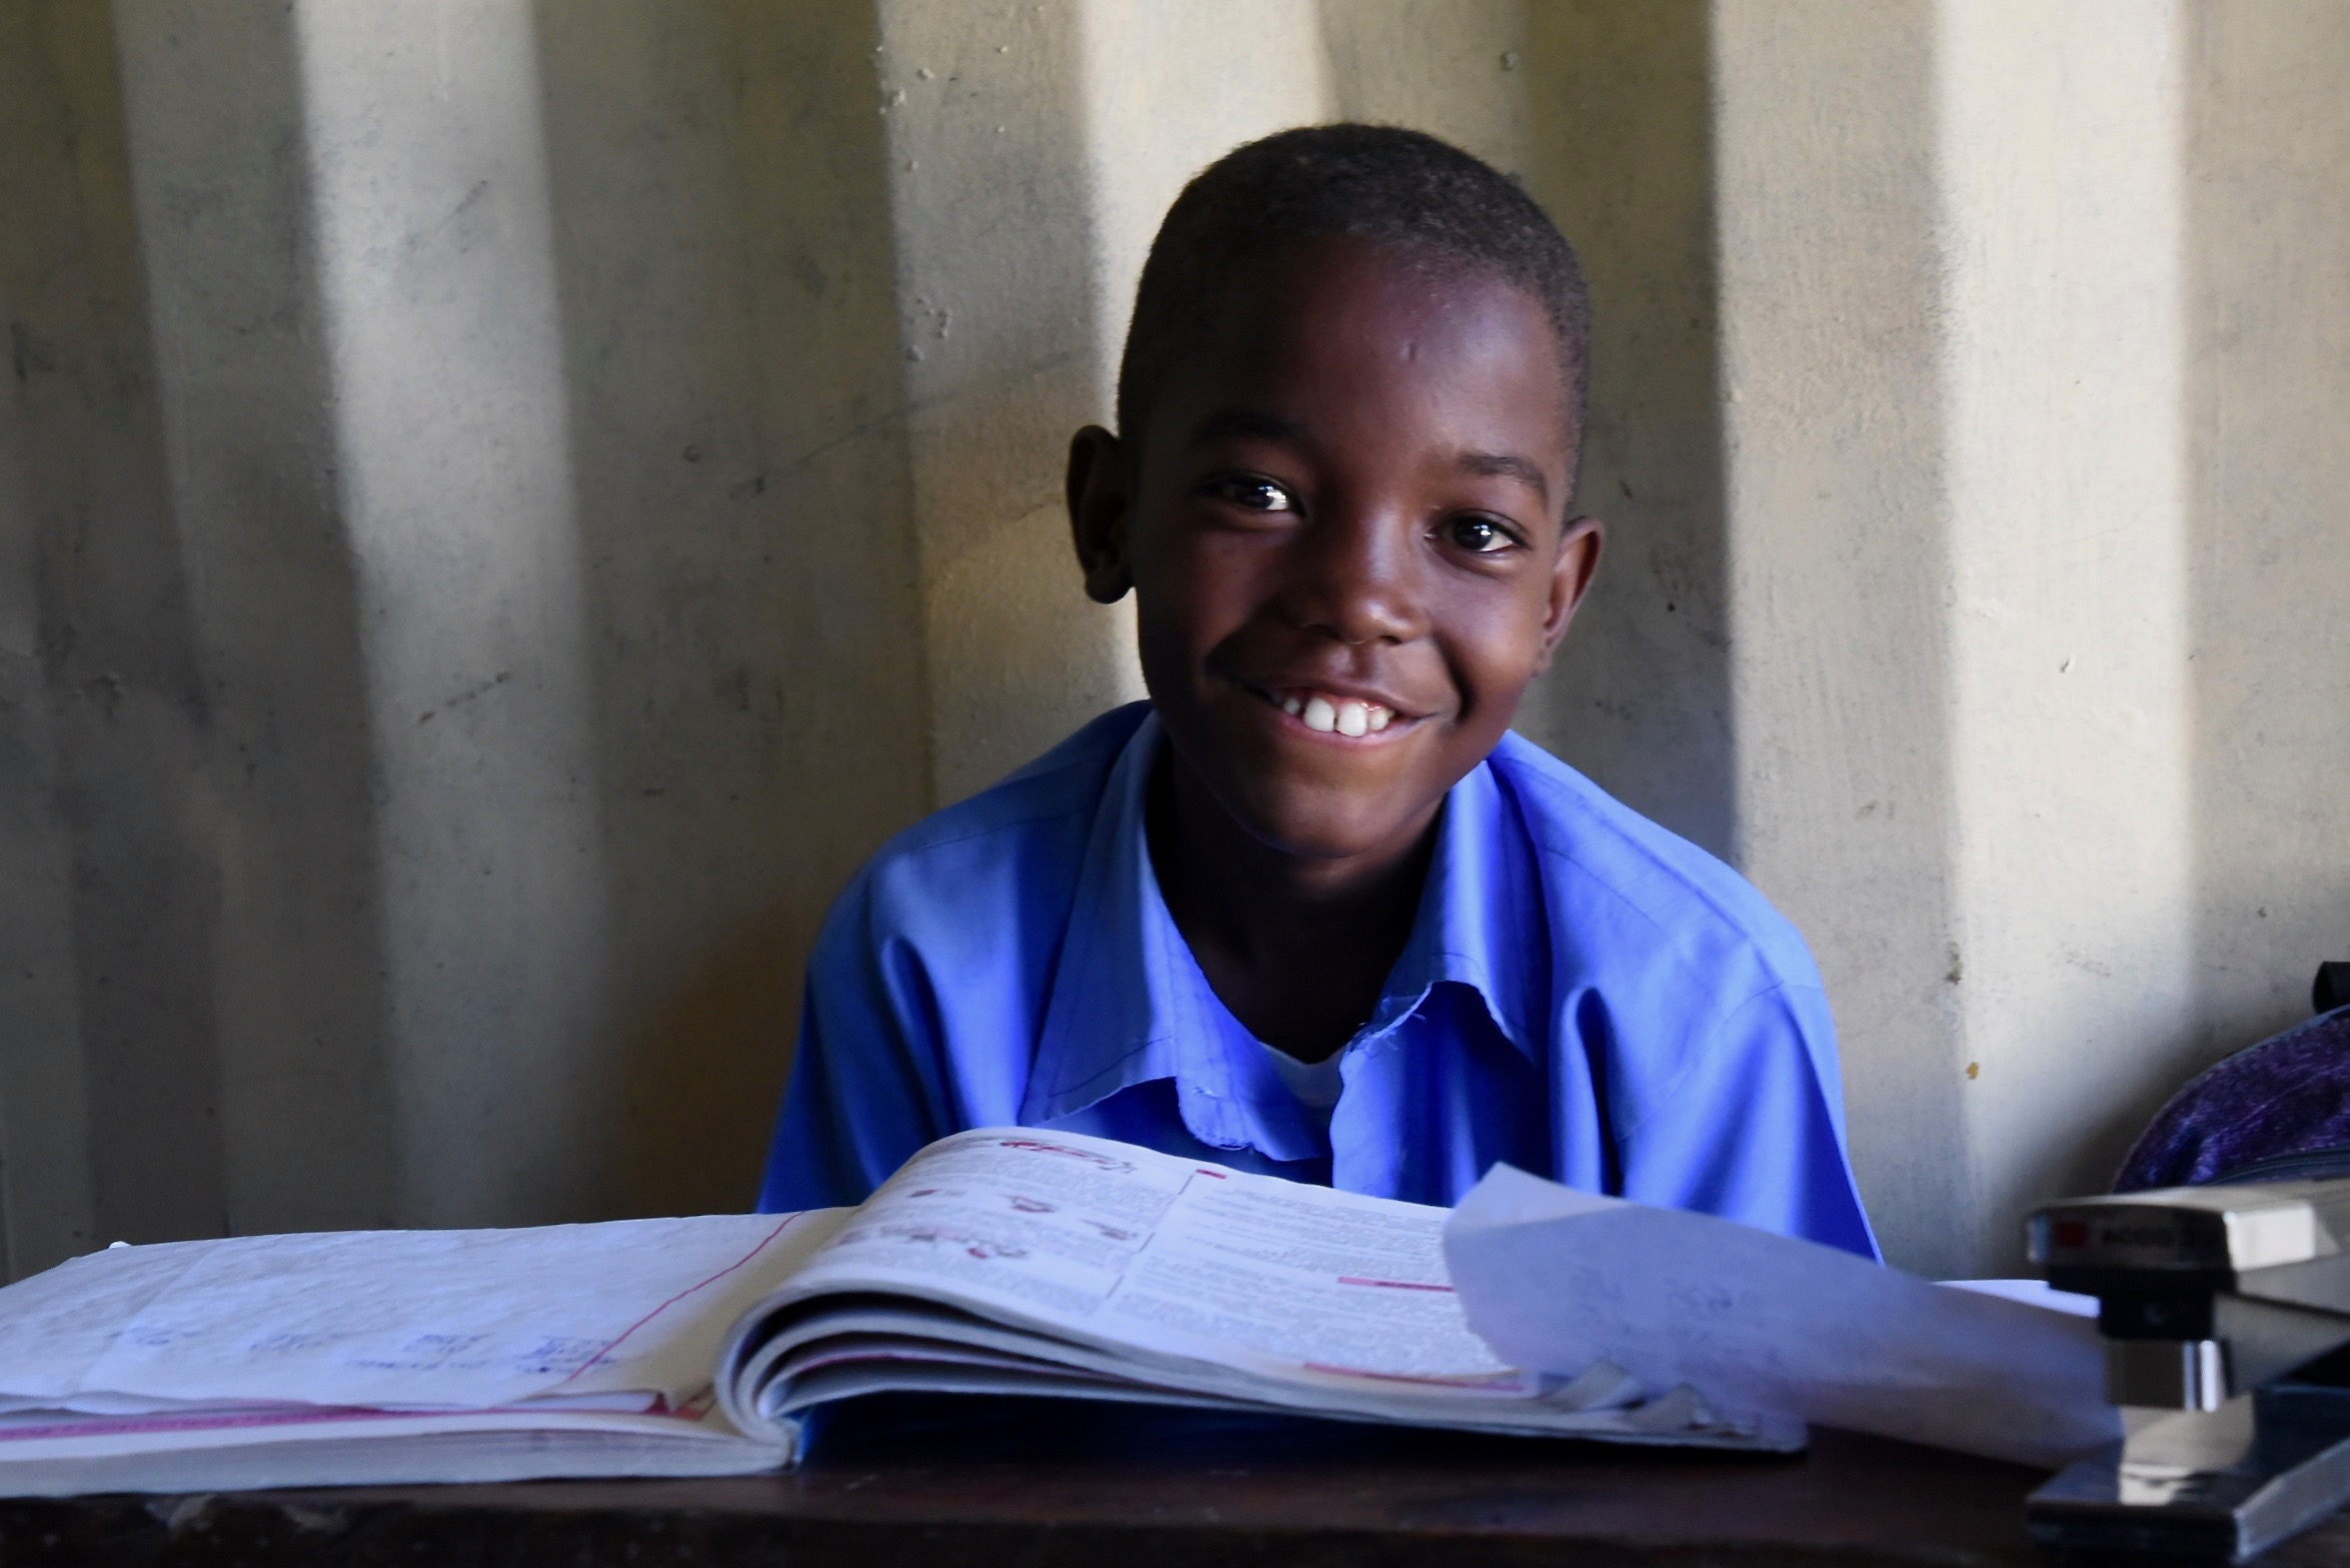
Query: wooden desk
x=936, y=1485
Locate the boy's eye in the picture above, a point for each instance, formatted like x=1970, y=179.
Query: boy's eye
x=1258, y=494
x=1478, y=536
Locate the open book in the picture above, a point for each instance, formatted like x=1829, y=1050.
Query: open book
x=997, y=1261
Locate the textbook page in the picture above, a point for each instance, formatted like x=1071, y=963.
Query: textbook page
x=1200, y=1277
x=1556, y=1279
x=1153, y=1250
x=621, y=1316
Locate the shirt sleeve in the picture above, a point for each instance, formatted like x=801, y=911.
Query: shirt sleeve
x=1754, y=1131
x=862, y=1097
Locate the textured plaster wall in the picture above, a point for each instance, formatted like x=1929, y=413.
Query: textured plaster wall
x=1834, y=569
x=1621, y=150
x=2070, y=725
x=2027, y=544
x=461, y=623
x=74, y=330
x=2265, y=475
x=1032, y=150
x=439, y=324
x=724, y=254
x=503, y=507
x=997, y=319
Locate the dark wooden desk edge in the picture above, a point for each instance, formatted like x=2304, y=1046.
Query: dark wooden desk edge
x=1852, y=1502
x=641, y=1523
x=368, y=1528
x=249, y=1531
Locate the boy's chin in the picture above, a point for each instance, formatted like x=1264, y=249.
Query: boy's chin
x=1314, y=802
x=1308, y=826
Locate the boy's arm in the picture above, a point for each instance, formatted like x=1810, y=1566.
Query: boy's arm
x=1755, y=1131
x=859, y=1101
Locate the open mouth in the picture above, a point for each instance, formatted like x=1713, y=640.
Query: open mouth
x=1326, y=712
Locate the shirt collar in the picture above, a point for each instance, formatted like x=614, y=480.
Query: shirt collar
x=1128, y=1006
x=1482, y=921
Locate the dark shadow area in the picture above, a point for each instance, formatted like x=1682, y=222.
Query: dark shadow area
x=908, y=1429
x=995, y=1458
x=126, y=986
x=721, y=201
x=228, y=932
x=1059, y=1484
x=1620, y=121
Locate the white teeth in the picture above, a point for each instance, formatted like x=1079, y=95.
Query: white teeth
x=1349, y=716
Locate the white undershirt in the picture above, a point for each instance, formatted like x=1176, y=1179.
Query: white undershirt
x=1315, y=1083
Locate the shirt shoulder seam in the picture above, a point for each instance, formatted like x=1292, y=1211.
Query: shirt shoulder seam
x=1713, y=906
x=989, y=831
x=1672, y=1090
x=911, y=840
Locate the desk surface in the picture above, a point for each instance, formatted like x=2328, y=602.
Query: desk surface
x=935, y=1484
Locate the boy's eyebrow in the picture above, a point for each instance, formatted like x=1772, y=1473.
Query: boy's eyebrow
x=1252, y=424
x=1501, y=465
x=1228, y=423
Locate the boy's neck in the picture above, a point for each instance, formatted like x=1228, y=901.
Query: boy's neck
x=1297, y=947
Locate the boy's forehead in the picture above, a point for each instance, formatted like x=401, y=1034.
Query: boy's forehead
x=1332, y=336
x=1339, y=293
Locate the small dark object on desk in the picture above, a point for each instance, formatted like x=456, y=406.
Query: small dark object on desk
x=1042, y=1483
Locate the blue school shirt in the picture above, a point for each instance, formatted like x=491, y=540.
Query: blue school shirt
x=1582, y=994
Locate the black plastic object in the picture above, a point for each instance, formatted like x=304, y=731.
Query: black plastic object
x=2331, y=988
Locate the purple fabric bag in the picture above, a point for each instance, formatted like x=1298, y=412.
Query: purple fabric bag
x=2287, y=1095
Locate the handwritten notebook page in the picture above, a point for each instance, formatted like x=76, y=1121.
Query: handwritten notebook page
x=1555, y=1278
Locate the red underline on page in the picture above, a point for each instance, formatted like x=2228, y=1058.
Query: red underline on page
x=1433, y=1379
x=68, y=1425
x=1392, y=1284
x=673, y=1301
x=113, y=1426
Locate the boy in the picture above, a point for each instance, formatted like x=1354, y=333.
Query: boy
x=1311, y=910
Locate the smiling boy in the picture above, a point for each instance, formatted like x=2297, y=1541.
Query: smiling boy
x=1312, y=910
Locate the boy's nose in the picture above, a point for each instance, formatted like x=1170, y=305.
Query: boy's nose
x=1353, y=578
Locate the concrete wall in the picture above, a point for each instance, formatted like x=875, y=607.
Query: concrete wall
x=1975, y=542
x=464, y=623
x=2265, y=479
x=503, y=506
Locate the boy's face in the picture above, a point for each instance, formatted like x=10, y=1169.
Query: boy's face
x=1344, y=534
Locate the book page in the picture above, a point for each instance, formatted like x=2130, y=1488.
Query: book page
x=1277, y=1277
x=456, y=1319
x=1140, y=1251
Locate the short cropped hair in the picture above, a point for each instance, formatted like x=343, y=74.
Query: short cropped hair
x=1396, y=188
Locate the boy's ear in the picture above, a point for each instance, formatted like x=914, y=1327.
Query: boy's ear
x=1579, y=545
x=1097, y=512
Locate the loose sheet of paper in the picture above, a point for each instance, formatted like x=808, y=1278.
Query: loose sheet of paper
x=416, y=1320
x=1556, y=1279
